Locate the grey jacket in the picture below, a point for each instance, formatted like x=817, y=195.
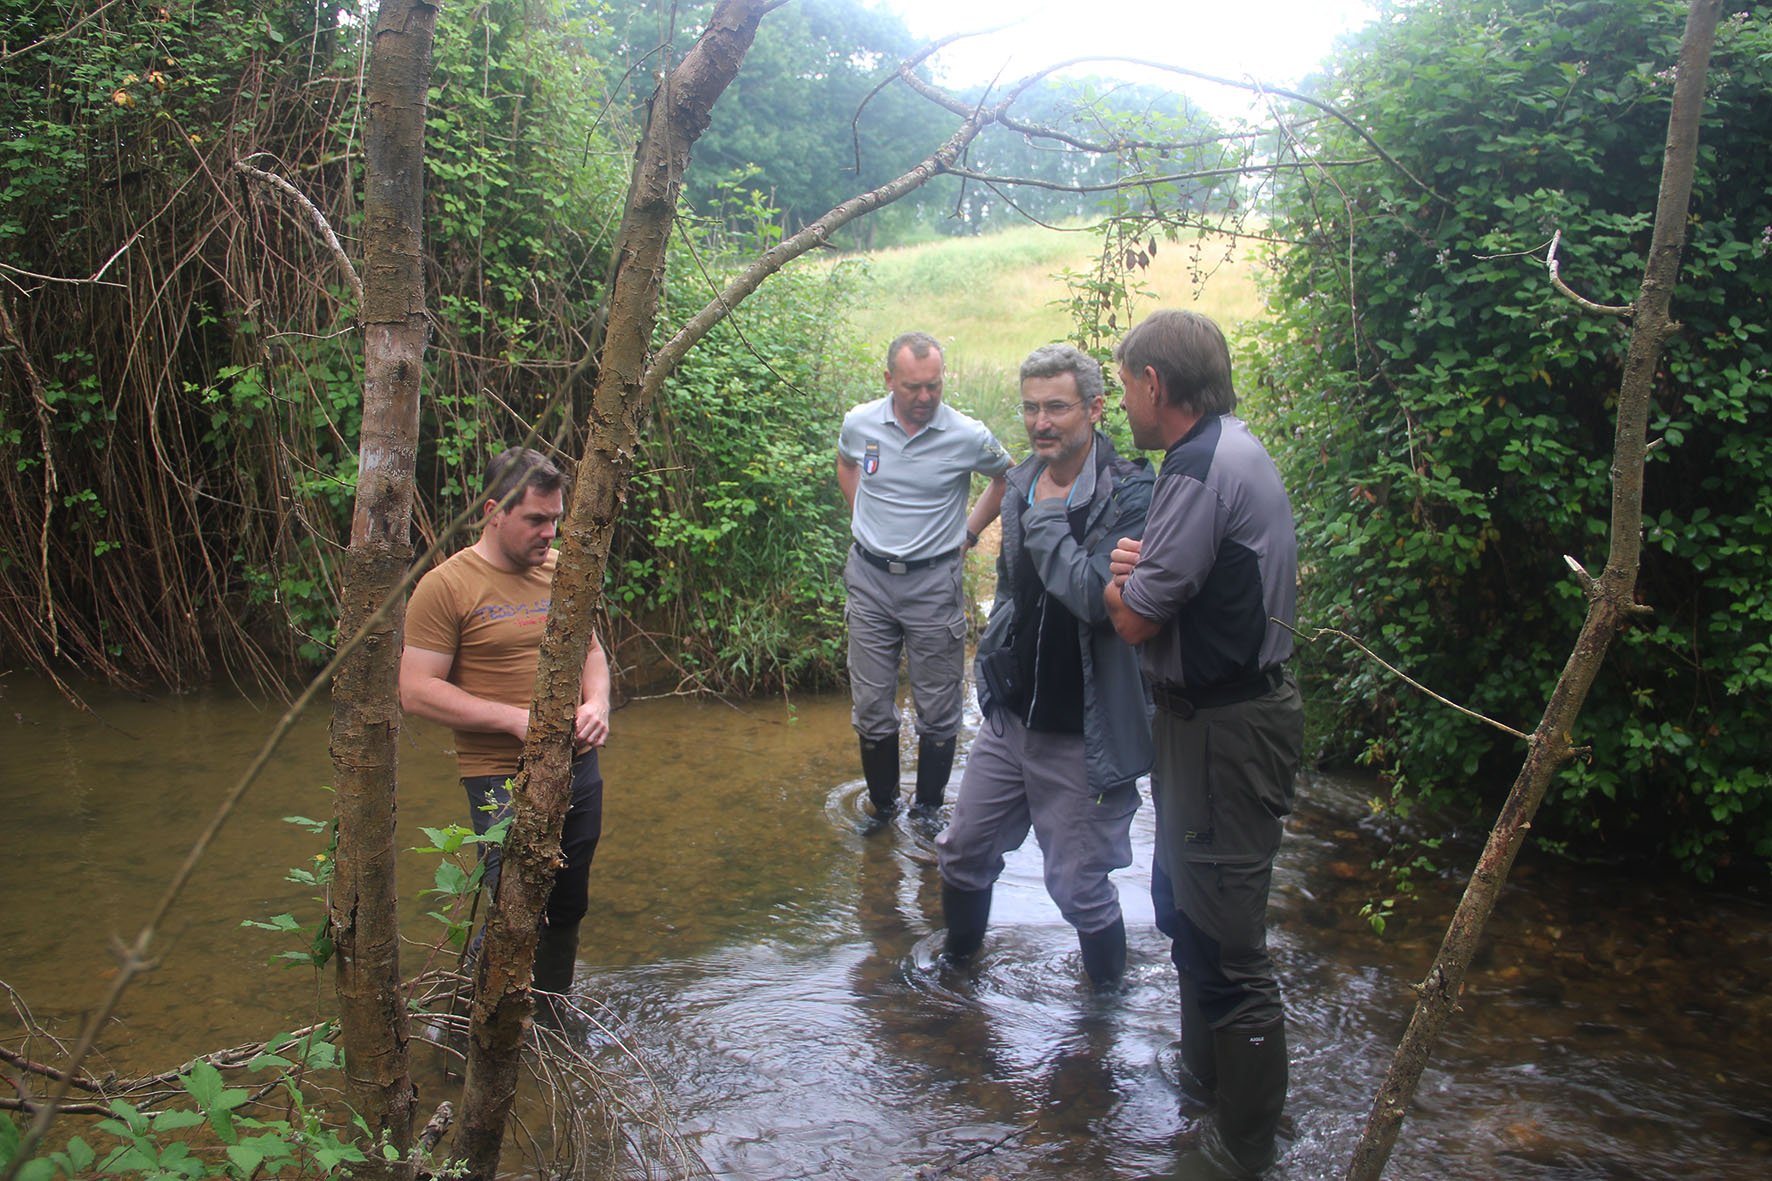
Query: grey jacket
x=1116, y=707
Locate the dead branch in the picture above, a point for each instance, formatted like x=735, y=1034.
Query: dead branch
x=322, y=227
x=82, y=1081
x=1404, y=677
x=1139, y=182
x=436, y=1127
x=1551, y=264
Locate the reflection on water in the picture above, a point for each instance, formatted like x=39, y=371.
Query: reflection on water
x=773, y=967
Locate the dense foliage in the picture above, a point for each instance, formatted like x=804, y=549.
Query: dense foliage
x=148, y=460
x=182, y=377
x=734, y=534
x=1444, y=416
x=179, y=419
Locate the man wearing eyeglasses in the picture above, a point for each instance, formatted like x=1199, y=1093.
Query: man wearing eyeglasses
x=1208, y=595
x=1067, y=730
x=905, y=464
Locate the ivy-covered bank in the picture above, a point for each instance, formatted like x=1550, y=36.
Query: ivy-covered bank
x=1444, y=416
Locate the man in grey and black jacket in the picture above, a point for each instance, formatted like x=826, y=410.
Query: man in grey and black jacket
x=1208, y=594
x=1067, y=730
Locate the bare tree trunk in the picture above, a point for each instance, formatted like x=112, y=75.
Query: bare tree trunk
x=365, y=696
x=1611, y=603
x=679, y=113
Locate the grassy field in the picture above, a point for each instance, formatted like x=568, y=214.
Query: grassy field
x=992, y=299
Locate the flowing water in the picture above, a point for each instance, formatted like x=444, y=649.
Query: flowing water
x=772, y=967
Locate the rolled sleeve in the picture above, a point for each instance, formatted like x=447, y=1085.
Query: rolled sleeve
x=1181, y=541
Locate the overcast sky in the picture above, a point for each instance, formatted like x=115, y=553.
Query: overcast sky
x=1278, y=41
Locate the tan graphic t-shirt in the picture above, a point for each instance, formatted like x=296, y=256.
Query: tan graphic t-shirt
x=491, y=621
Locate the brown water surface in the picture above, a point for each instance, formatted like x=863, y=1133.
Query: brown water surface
x=773, y=967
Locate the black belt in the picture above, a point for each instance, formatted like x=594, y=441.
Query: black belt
x=894, y=566
x=1184, y=703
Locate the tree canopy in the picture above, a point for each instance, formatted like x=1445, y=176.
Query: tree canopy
x=814, y=117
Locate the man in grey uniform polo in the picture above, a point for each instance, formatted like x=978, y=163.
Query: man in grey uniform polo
x=905, y=464
x=1205, y=595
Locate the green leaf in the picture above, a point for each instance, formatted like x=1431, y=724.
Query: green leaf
x=176, y=1120
x=205, y=1084
x=247, y=1156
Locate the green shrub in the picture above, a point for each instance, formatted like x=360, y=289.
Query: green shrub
x=733, y=538
x=1448, y=439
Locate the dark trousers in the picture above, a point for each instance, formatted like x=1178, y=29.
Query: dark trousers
x=489, y=801
x=1222, y=786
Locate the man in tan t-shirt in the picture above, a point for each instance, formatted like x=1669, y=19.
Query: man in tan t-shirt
x=473, y=638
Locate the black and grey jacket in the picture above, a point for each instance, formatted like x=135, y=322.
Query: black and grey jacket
x=1116, y=708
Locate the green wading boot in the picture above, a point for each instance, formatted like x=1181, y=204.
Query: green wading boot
x=1104, y=955
x=1251, y=1092
x=879, y=766
x=967, y=913
x=935, y=763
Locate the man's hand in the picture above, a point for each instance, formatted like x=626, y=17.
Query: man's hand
x=590, y=725
x=590, y=722
x=1123, y=559
x=1131, y=626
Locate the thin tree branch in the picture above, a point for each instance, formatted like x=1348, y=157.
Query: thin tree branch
x=814, y=234
x=321, y=225
x=1134, y=182
x=1398, y=673
x=1551, y=265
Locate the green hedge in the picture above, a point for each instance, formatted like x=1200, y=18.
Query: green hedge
x=1448, y=439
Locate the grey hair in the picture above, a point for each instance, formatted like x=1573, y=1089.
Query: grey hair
x=920, y=344
x=1051, y=360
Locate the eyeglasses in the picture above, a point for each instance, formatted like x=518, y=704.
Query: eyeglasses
x=1049, y=409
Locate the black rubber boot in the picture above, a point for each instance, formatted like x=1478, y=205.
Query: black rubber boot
x=1104, y=955
x=879, y=765
x=1199, y=1065
x=935, y=762
x=966, y=913
x=1251, y=1092
x=556, y=955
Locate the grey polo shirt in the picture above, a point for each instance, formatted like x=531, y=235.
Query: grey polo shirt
x=910, y=502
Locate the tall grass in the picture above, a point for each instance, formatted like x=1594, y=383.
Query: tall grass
x=992, y=299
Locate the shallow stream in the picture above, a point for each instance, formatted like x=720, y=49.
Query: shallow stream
x=771, y=965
